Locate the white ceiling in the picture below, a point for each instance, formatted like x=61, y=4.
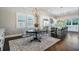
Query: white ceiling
x=57, y=11
x=53, y=11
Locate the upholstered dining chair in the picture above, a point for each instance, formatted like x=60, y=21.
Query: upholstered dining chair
x=2, y=40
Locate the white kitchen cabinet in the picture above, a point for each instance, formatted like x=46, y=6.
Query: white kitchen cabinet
x=2, y=39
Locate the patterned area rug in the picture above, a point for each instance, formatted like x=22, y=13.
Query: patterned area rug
x=24, y=44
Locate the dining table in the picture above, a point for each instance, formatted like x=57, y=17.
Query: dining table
x=35, y=35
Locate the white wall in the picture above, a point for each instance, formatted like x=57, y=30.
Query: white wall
x=8, y=18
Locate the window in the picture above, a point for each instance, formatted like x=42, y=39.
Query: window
x=45, y=22
x=68, y=22
x=75, y=21
x=21, y=20
x=30, y=21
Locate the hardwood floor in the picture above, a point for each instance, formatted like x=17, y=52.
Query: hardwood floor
x=57, y=47
x=69, y=43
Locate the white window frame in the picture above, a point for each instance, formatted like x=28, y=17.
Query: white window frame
x=17, y=23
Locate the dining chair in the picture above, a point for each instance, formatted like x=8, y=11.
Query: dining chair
x=1, y=44
x=2, y=40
